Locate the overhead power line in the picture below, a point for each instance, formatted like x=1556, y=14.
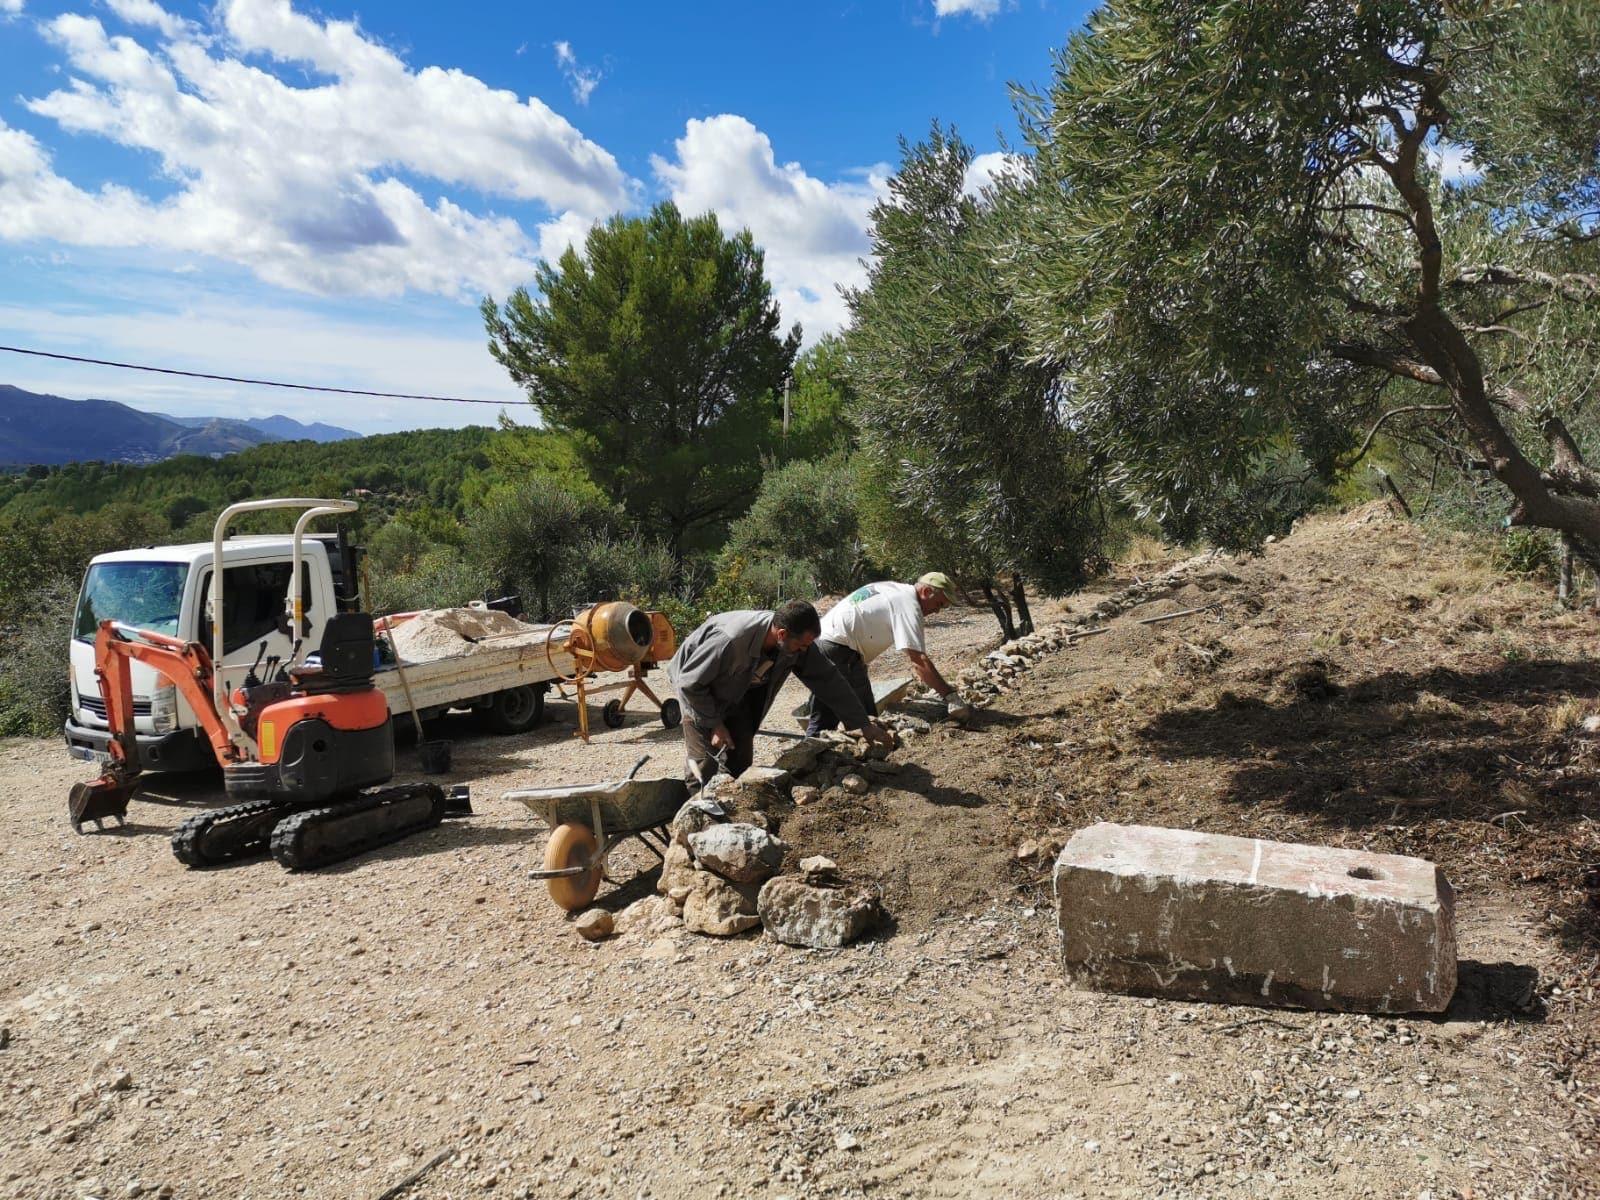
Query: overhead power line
x=299, y=387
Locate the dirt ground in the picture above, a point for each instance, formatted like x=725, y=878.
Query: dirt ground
x=246, y=1032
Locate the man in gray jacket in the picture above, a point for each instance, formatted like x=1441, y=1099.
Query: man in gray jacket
x=728, y=672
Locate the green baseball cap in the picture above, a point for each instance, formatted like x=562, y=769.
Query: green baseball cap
x=940, y=582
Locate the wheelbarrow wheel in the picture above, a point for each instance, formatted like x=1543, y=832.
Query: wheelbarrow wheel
x=612, y=714
x=671, y=714
x=572, y=845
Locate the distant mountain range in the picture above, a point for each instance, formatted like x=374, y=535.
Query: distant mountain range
x=51, y=430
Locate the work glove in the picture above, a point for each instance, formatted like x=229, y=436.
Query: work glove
x=956, y=706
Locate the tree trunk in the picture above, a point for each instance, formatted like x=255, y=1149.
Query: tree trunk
x=1444, y=348
x=1564, y=595
x=1024, y=617
x=1001, y=607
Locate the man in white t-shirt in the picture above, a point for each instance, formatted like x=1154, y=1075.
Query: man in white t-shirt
x=869, y=621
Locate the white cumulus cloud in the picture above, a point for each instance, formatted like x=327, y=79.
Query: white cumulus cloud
x=309, y=173
x=983, y=10
x=148, y=12
x=985, y=168
x=814, y=233
x=10, y=7
x=582, y=80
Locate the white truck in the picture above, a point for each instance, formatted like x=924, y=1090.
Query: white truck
x=166, y=589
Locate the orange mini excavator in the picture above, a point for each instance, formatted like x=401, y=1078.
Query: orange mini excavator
x=323, y=734
x=295, y=752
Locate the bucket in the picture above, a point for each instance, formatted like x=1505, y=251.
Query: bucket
x=434, y=757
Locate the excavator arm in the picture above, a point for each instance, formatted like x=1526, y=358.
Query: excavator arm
x=187, y=666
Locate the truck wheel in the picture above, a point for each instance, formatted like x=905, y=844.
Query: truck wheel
x=612, y=714
x=671, y=714
x=515, y=710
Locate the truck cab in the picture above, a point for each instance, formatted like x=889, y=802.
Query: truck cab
x=165, y=589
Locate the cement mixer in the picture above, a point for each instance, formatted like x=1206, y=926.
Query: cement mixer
x=614, y=636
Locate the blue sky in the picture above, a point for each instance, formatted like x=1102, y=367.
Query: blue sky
x=266, y=189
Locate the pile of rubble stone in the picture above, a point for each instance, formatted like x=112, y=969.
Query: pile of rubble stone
x=722, y=870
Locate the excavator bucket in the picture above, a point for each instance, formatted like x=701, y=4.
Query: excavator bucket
x=105, y=797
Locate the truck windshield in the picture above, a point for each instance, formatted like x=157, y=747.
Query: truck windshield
x=147, y=595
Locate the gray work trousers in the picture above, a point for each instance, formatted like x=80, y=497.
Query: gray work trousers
x=742, y=720
x=854, y=669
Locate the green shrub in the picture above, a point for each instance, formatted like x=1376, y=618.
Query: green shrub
x=525, y=538
x=33, y=663
x=441, y=578
x=802, y=535
x=612, y=567
x=1529, y=552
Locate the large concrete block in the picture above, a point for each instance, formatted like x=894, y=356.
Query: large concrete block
x=1196, y=916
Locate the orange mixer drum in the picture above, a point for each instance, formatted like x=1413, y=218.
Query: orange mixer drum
x=620, y=634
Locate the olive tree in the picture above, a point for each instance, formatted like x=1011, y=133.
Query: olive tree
x=968, y=432
x=1249, y=238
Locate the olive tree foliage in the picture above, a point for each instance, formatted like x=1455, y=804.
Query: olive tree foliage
x=1240, y=248
x=657, y=350
x=804, y=527
x=561, y=549
x=966, y=429
x=411, y=567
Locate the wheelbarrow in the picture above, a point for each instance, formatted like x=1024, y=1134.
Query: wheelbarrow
x=588, y=821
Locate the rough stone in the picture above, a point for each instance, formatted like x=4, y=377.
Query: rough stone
x=805, y=795
x=740, y=853
x=716, y=907
x=677, y=873
x=649, y=917
x=595, y=925
x=1193, y=916
x=748, y=799
x=702, y=812
x=802, y=756
x=820, y=870
x=763, y=777
x=801, y=913
x=855, y=784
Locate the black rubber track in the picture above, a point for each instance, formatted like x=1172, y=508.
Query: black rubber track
x=336, y=832
x=228, y=834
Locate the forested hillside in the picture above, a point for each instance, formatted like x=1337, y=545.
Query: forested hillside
x=422, y=467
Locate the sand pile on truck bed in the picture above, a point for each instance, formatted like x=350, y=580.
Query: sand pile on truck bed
x=447, y=632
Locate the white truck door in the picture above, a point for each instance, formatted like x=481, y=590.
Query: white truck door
x=253, y=620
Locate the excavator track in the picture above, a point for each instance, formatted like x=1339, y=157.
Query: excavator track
x=229, y=834
x=320, y=836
